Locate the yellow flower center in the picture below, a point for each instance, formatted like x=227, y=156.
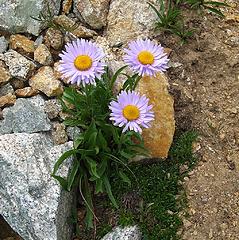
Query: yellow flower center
x=131, y=112
x=146, y=57
x=83, y=62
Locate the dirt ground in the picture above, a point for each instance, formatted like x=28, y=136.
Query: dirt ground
x=205, y=84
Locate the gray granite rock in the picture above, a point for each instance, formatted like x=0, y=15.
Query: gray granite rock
x=73, y=132
x=5, y=89
x=27, y=115
x=18, y=65
x=126, y=233
x=128, y=20
x=93, y=12
x=31, y=201
x=16, y=15
x=3, y=44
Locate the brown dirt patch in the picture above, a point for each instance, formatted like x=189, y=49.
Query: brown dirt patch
x=206, y=91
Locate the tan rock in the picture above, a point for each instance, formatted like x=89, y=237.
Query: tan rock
x=58, y=75
x=128, y=20
x=54, y=38
x=20, y=42
x=66, y=6
x=45, y=81
x=43, y=55
x=159, y=137
x=59, y=134
x=69, y=25
x=4, y=73
x=26, y=92
x=56, y=71
x=93, y=12
x=7, y=100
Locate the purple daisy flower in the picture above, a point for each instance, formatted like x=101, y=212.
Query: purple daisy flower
x=131, y=111
x=146, y=58
x=81, y=62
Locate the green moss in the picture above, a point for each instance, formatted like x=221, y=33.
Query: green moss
x=160, y=196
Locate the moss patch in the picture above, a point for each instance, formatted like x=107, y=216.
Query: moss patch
x=155, y=200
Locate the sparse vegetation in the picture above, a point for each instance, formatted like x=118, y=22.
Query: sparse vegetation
x=154, y=203
x=170, y=18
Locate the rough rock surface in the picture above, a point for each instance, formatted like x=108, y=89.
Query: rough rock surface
x=5, y=89
x=126, y=233
x=73, y=132
x=26, y=92
x=93, y=12
x=76, y=29
x=19, y=66
x=159, y=136
x=45, y=81
x=21, y=43
x=43, y=55
x=128, y=20
x=17, y=83
x=27, y=115
x=54, y=38
x=66, y=6
x=4, y=73
x=3, y=44
x=31, y=201
x=6, y=100
x=59, y=133
x=16, y=15
x=52, y=107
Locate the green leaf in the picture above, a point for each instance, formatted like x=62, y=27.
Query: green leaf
x=124, y=177
x=214, y=10
x=78, y=141
x=102, y=141
x=92, y=129
x=99, y=186
x=63, y=157
x=87, y=198
x=155, y=9
x=115, y=134
x=61, y=180
x=102, y=166
x=74, y=122
x=126, y=155
x=115, y=76
x=92, y=166
x=109, y=192
x=72, y=175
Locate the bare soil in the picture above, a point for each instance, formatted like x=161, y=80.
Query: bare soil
x=205, y=84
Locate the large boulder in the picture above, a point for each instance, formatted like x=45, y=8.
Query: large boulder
x=16, y=15
x=128, y=20
x=31, y=201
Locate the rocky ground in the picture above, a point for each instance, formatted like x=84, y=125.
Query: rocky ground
x=204, y=80
x=206, y=84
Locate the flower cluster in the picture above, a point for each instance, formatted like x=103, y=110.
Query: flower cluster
x=82, y=62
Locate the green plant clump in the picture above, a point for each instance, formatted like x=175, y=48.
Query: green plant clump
x=161, y=195
x=101, y=148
